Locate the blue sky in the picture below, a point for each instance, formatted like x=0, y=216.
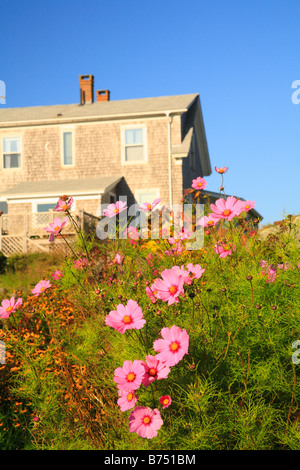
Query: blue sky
x=240, y=56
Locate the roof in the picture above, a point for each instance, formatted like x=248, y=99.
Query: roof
x=216, y=196
x=99, y=110
x=71, y=187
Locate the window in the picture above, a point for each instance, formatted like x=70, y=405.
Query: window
x=3, y=207
x=134, y=144
x=40, y=217
x=68, y=148
x=45, y=207
x=146, y=195
x=11, y=152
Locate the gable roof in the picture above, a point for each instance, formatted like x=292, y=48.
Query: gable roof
x=97, y=110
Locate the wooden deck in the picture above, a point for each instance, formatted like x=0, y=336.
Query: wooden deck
x=24, y=233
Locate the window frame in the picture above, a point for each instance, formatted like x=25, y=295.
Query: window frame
x=13, y=136
x=123, y=145
x=67, y=130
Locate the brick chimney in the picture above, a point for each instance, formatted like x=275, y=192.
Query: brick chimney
x=103, y=95
x=86, y=83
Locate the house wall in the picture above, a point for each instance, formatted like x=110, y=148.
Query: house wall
x=98, y=152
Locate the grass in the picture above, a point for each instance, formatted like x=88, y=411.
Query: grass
x=236, y=389
x=20, y=272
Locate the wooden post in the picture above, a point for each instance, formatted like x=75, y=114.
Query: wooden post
x=25, y=232
x=81, y=218
x=1, y=227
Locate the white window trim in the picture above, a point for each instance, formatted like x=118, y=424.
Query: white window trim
x=65, y=129
x=134, y=126
x=12, y=136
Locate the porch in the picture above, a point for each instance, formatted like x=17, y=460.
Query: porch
x=24, y=233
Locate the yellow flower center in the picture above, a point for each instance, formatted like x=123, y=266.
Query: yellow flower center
x=127, y=319
x=130, y=396
x=116, y=210
x=226, y=212
x=221, y=170
x=199, y=184
x=247, y=207
x=173, y=289
x=226, y=247
x=65, y=207
x=42, y=289
x=9, y=309
x=130, y=377
x=166, y=401
x=149, y=206
x=146, y=420
x=152, y=371
x=56, y=228
x=174, y=346
x=210, y=222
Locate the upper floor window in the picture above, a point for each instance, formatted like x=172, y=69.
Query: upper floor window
x=68, y=151
x=11, y=152
x=134, y=144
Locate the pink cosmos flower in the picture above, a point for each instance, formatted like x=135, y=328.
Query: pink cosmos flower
x=145, y=421
x=130, y=376
x=55, y=227
x=226, y=209
x=40, y=287
x=57, y=275
x=154, y=370
x=195, y=272
x=224, y=249
x=152, y=294
x=199, y=183
x=114, y=209
x=221, y=170
x=132, y=233
x=165, y=401
x=126, y=317
x=263, y=263
x=247, y=205
x=9, y=306
x=177, y=249
x=127, y=399
x=80, y=263
x=147, y=207
x=63, y=204
x=169, y=287
x=118, y=259
x=182, y=273
x=207, y=221
x=269, y=271
x=173, y=346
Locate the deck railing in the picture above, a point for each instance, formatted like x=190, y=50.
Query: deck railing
x=23, y=233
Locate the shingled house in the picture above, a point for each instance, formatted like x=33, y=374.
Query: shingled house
x=98, y=150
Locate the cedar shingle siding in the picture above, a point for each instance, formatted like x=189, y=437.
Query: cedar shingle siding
x=97, y=151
